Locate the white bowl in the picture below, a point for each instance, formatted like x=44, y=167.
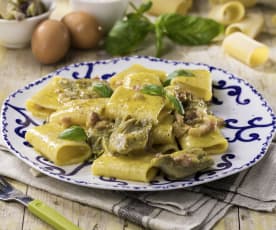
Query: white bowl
x=107, y=12
x=18, y=34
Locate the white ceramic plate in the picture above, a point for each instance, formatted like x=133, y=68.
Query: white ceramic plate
x=250, y=125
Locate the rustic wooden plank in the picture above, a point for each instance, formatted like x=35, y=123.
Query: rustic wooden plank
x=92, y=218
x=84, y=216
x=253, y=220
x=12, y=213
x=230, y=221
x=130, y=226
x=18, y=67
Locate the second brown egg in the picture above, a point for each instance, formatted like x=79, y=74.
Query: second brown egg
x=84, y=29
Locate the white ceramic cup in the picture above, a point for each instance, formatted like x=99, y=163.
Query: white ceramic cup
x=107, y=12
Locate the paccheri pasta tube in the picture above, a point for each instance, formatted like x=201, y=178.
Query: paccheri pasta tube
x=246, y=3
x=227, y=13
x=45, y=140
x=245, y=49
x=172, y=6
x=251, y=25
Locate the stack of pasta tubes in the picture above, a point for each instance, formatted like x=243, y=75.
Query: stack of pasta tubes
x=242, y=28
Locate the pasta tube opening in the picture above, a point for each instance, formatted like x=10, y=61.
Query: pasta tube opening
x=251, y=25
x=227, y=13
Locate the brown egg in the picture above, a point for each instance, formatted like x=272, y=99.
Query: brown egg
x=84, y=29
x=50, y=41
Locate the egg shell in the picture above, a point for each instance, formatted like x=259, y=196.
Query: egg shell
x=84, y=29
x=50, y=41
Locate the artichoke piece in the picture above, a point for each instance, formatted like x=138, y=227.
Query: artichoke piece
x=183, y=163
x=35, y=8
x=129, y=136
x=21, y=9
x=98, y=139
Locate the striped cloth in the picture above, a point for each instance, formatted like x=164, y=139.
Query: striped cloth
x=197, y=207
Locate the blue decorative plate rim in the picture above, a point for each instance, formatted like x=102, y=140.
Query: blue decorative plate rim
x=165, y=184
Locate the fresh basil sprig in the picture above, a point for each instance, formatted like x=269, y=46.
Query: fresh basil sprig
x=128, y=33
x=178, y=73
x=189, y=30
x=176, y=104
x=102, y=89
x=73, y=133
x=144, y=7
x=156, y=90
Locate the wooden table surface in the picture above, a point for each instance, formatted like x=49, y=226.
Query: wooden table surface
x=18, y=67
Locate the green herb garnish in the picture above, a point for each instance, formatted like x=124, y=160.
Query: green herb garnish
x=102, y=89
x=176, y=104
x=156, y=90
x=128, y=33
x=74, y=133
x=189, y=30
x=178, y=73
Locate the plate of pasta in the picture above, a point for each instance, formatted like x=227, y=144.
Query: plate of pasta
x=138, y=123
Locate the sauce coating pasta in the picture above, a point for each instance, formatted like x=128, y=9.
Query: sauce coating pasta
x=136, y=124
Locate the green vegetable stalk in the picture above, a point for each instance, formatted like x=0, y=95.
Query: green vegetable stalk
x=128, y=33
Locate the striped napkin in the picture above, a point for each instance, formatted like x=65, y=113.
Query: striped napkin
x=197, y=207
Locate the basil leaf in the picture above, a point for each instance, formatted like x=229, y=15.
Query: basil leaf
x=178, y=73
x=74, y=133
x=181, y=72
x=144, y=7
x=103, y=90
x=127, y=34
x=154, y=90
x=190, y=30
x=159, y=38
x=176, y=104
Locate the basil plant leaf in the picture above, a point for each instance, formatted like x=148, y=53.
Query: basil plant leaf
x=144, y=7
x=176, y=104
x=190, y=30
x=127, y=34
x=159, y=34
x=74, y=133
x=102, y=89
x=154, y=90
x=178, y=73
